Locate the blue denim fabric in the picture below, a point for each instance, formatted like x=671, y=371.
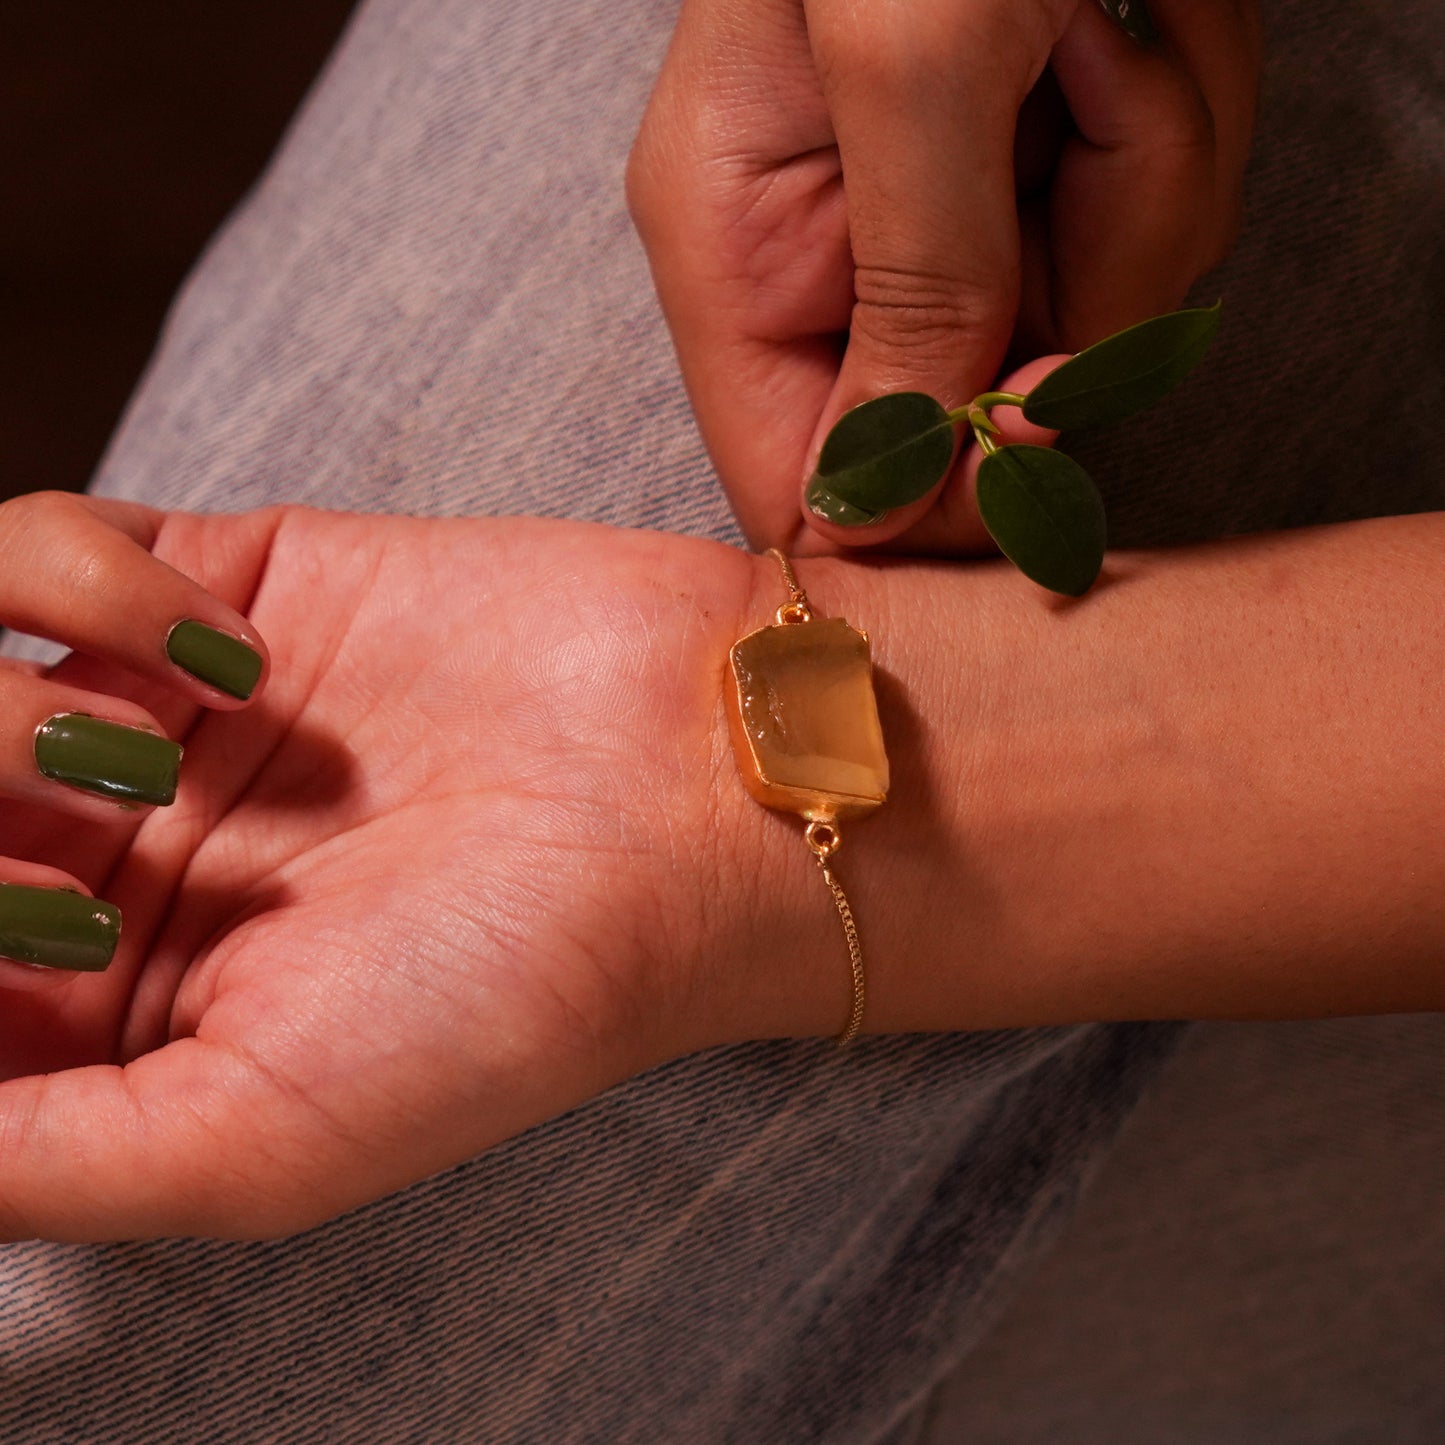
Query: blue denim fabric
x=433, y=303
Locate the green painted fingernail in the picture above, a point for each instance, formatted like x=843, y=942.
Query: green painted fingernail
x=835, y=510
x=56, y=928
x=216, y=658
x=106, y=758
x=1133, y=17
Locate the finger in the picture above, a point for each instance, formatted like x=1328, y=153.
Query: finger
x=735, y=189
x=1221, y=45
x=108, y=1152
x=947, y=524
x=78, y=570
x=204, y=1136
x=82, y=752
x=925, y=101
x=1138, y=210
x=51, y=930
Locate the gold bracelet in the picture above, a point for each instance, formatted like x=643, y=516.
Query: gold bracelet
x=807, y=739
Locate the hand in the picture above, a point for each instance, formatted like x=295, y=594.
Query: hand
x=479, y=850
x=449, y=876
x=841, y=199
x=75, y=569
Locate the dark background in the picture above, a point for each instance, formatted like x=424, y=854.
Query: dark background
x=129, y=131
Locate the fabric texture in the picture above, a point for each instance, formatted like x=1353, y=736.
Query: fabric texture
x=433, y=303
x=1262, y=1259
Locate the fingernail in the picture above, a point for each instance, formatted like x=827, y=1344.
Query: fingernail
x=1132, y=16
x=215, y=658
x=55, y=928
x=106, y=758
x=833, y=509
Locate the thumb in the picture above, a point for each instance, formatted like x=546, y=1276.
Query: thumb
x=924, y=101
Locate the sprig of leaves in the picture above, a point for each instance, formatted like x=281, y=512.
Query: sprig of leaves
x=1039, y=505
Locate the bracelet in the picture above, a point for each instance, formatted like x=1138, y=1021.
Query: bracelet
x=805, y=732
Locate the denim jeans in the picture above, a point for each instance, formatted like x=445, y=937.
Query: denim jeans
x=433, y=303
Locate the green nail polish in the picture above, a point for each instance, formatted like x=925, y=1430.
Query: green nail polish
x=834, y=509
x=216, y=658
x=56, y=928
x=106, y=758
x=1132, y=16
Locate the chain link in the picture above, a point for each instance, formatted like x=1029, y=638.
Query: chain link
x=855, y=955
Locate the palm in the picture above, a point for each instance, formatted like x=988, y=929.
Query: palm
x=404, y=905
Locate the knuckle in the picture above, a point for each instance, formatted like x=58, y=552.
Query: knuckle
x=873, y=54
x=651, y=184
x=873, y=49
x=637, y=185
x=918, y=312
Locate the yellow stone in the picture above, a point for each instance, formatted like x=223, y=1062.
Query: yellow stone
x=805, y=720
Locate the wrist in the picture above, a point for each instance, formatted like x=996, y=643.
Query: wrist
x=749, y=946
x=1206, y=791
x=771, y=958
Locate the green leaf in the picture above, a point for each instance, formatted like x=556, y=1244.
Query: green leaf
x=888, y=452
x=1123, y=373
x=1046, y=514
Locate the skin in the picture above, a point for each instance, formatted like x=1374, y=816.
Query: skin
x=477, y=849
x=841, y=199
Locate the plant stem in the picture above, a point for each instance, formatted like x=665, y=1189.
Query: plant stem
x=976, y=415
x=983, y=402
x=990, y=399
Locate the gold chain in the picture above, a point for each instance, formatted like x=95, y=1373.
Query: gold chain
x=790, y=579
x=855, y=956
x=822, y=835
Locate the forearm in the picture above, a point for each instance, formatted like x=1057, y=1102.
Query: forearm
x=505, y=838
x=1210, y=789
